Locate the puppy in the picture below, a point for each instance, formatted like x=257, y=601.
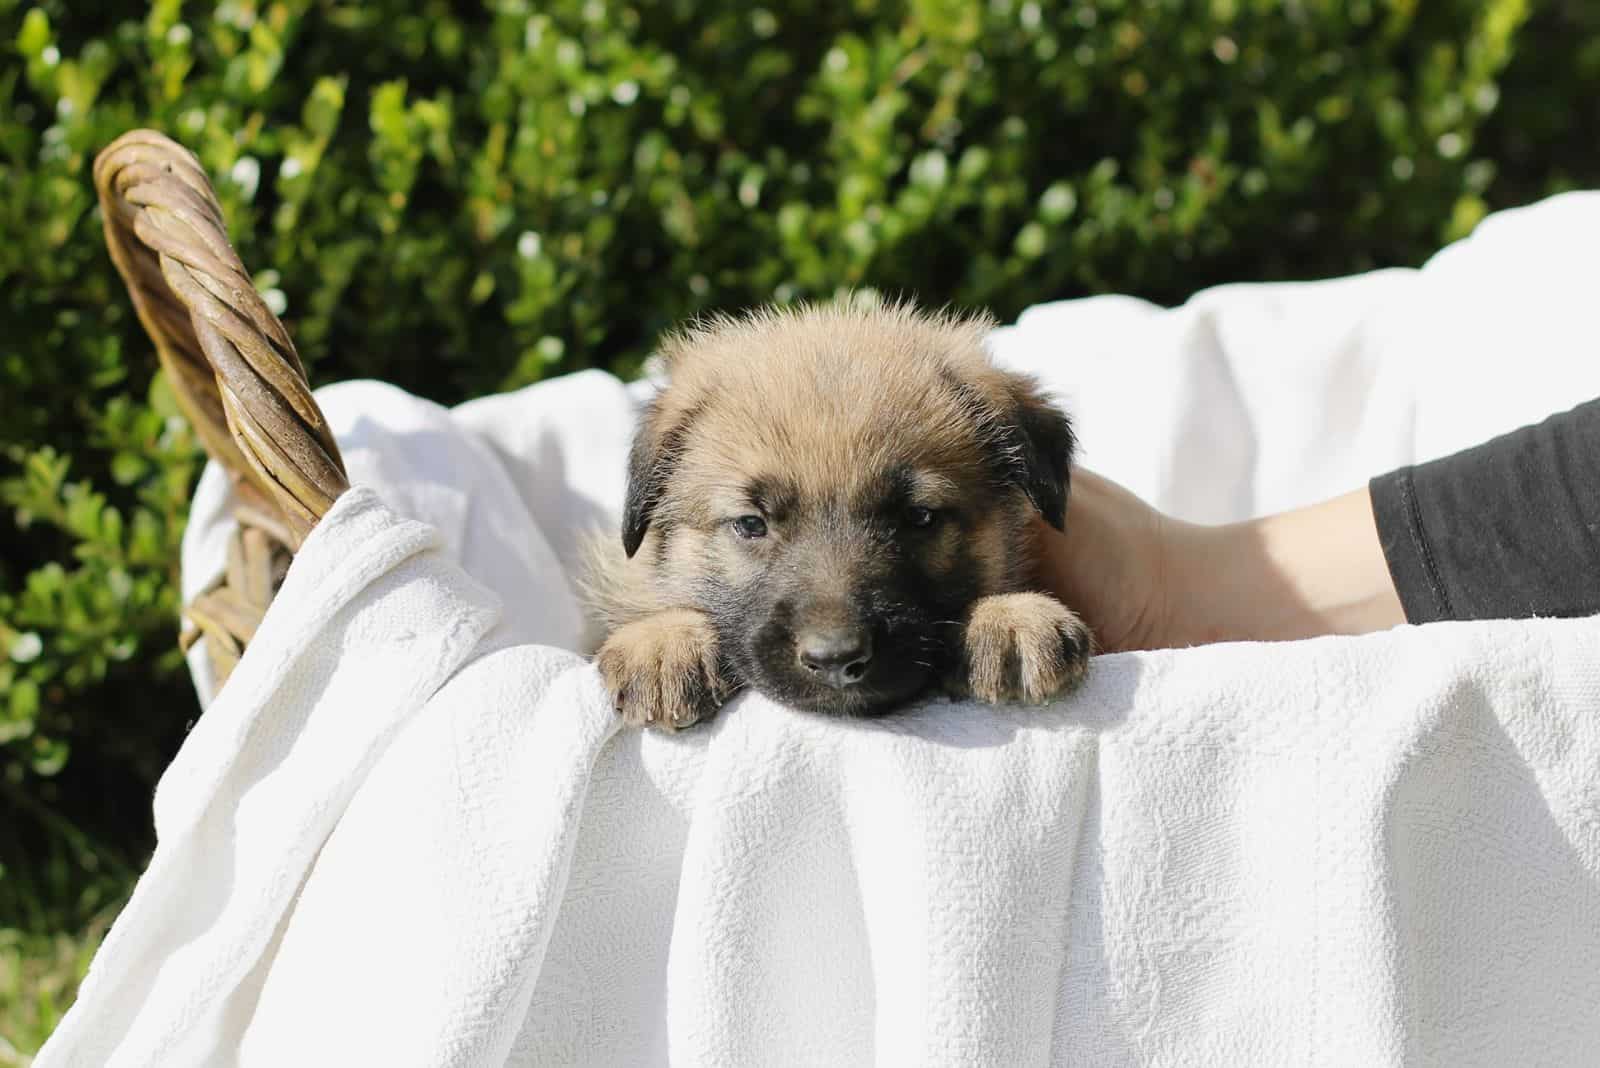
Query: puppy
x=831, y=505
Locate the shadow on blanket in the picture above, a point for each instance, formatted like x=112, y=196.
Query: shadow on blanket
x=1467, y=819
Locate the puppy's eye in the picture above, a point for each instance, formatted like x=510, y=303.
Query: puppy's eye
x=750, y=526
x=919, y=517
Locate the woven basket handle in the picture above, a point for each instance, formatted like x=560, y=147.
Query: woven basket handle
x=230, y=361
x=235, y=372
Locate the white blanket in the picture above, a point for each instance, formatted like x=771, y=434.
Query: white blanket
x=408, y=832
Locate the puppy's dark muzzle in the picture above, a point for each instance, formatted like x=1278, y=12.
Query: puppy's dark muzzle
x=837, y=657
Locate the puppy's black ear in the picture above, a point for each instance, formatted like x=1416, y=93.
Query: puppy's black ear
x=1039, y=444
x=651, y=461
x=648, y=469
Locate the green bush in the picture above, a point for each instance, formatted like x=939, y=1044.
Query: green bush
x=461, y=202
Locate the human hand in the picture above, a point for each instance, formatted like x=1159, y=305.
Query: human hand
x=1113, y=566
x=1144, y=580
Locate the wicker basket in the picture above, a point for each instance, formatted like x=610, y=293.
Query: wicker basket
x=234, y=370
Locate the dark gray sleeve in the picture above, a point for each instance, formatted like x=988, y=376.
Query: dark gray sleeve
x=1507, y=530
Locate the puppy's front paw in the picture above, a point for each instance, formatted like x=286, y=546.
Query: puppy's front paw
x=1023, y=647
x=662, y=670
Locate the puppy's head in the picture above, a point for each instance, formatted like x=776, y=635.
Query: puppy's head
x=833, y=486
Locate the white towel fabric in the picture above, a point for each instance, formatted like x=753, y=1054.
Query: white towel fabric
x=408, y=832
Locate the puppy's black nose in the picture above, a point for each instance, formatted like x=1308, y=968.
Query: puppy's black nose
x=838, y=657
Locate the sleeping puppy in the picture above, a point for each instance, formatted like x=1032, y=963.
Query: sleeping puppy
x=831, y=505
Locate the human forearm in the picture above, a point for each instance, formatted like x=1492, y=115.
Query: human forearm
x=1146, y=581
x=1297, y=574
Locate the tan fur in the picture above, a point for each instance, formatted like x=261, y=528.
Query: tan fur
x=614, y=589
x=839, y=392
x=662, y=670
x=824, y=401
x=1023, y=647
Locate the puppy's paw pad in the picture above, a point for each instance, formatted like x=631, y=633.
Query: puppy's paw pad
x=1024, y=647
x=662, y=671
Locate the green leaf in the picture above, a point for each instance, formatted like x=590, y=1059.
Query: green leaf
x=34, y=36
x=48, y=756
x=23, y=703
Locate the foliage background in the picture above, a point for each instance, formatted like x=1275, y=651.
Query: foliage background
x=464, y=198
